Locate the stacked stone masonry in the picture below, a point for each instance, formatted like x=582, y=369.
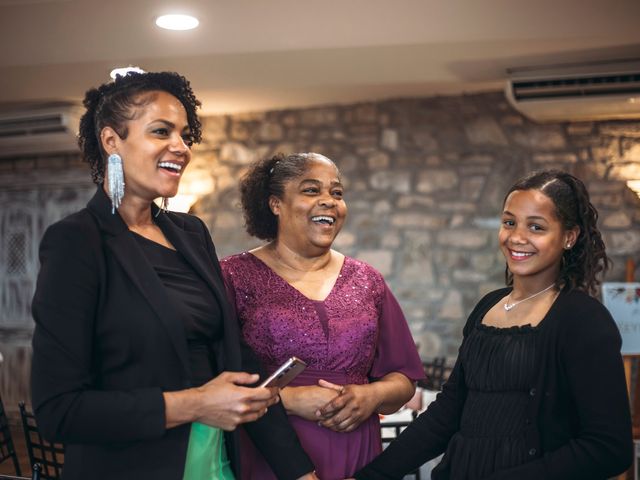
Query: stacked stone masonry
x=425, y=180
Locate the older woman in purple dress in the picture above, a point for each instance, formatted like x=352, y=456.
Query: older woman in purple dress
x=295, y=296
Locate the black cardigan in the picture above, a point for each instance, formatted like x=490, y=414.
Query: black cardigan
x=107, y=343
x=578, y=424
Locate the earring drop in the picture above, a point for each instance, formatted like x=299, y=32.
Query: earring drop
x=115, y=181
x=164, y=206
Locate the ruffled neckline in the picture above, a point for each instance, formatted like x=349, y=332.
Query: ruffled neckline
x=514, y=329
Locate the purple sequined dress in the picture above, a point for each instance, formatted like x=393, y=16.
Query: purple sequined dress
x=357, y=333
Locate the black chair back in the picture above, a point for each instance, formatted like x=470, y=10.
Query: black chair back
x=49, y=456
x=437, y=373
x=35, y=476
x=7, y=448
x=35, y=471
x=389, y=431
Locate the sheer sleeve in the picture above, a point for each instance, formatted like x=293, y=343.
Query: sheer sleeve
x=396, y=350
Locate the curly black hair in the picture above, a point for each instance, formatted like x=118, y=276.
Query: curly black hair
x=587, y=259
x=113, y=104
x=266, y=178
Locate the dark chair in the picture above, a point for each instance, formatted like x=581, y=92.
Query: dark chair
x=35, y=476
x=7, y=448
x=389, y=431
x=35, y=471
x=49, y=456
x=437, y=373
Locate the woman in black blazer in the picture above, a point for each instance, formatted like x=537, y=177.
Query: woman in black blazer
x=137, y=363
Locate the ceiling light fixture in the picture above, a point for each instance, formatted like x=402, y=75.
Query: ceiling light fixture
x=122, y=71
x=177, y=22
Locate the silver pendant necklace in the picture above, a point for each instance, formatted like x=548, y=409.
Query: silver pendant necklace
x=509, y=306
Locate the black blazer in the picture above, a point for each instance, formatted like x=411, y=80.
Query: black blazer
x=107, y=343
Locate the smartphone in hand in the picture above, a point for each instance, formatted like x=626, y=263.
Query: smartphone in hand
x=285, y=373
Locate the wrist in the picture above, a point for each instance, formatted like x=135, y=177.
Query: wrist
x=189, y=404
x=287, y=398
x=195, y=403
x=375, y=394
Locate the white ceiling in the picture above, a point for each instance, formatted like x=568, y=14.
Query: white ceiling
x=267, y=54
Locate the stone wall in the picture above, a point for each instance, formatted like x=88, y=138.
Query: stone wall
x=425, y=180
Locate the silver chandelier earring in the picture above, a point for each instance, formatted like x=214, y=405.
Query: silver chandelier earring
x=116, y=181
x=164, y=206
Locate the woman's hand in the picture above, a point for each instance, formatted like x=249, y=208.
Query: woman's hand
x=356, y=403
x=305, y=401
x=353, y=405
x=223, y=402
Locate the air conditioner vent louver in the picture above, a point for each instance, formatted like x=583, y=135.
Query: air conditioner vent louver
x=628, y=84
x=34, y=125
x=577, y=92
x=39, y=130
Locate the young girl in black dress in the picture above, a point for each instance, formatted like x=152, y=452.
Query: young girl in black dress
x=538, y=390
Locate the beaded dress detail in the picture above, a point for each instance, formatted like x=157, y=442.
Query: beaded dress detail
x=357, y=333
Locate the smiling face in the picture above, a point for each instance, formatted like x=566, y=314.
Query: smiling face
x=312, y=210
x=156, y=149
x=532, y=238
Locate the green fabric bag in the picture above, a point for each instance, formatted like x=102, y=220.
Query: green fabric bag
x=206, y=455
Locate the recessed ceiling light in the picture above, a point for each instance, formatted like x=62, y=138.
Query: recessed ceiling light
x=177, y=22
x=122, y=71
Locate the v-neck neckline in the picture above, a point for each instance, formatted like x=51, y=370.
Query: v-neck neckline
x=148, y=241
x=333, y=287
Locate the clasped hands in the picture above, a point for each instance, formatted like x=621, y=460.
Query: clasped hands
x=229, y=400
x=341, y=408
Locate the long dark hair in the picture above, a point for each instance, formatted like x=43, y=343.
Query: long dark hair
x=587, y=259
x=113, y=105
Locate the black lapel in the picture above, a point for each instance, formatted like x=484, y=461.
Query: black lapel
x=126, y=250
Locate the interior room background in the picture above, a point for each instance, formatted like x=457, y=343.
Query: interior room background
x=425, y=179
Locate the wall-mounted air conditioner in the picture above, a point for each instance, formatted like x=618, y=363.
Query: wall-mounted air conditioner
x=595, y=91
x=39, y=130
